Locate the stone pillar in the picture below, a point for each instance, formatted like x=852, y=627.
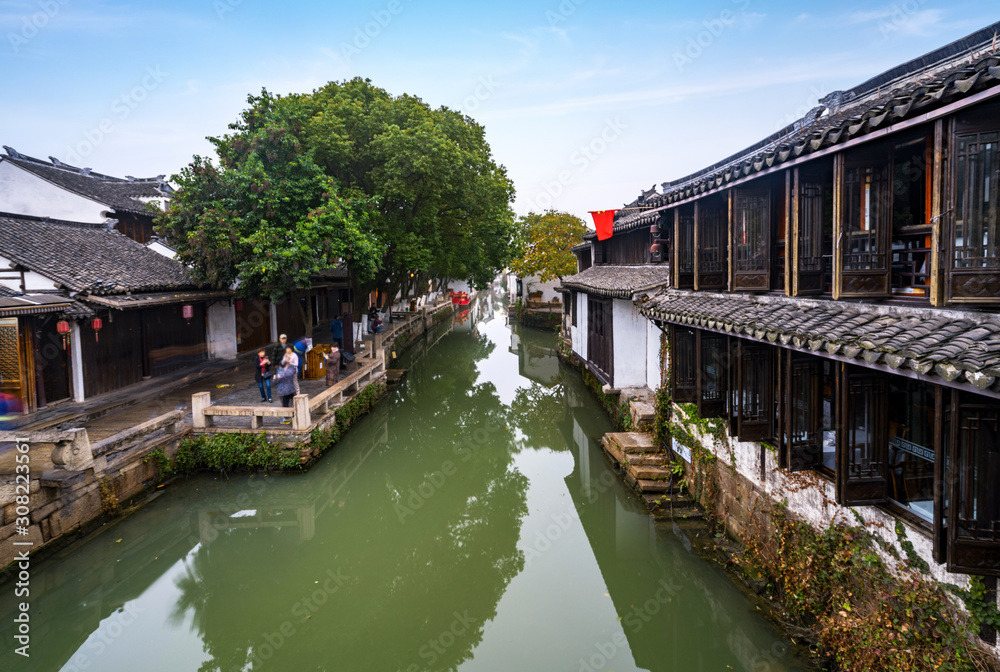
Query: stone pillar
x=300, y=404
x=199, y=402
x=274, y=323
x=76, y=361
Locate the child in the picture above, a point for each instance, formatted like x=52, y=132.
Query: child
x=262, y=375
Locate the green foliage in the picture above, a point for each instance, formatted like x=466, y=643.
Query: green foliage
x=982, y=610
x=866, y=617
x=544, y=244
x=267, y=215
x=912, y=557
x=163, y=467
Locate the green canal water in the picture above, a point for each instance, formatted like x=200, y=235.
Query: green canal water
x=470, y=523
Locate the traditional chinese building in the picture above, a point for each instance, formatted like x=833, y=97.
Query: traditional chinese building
x=833, y=293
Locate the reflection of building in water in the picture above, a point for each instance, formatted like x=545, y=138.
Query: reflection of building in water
x=660, y=588
x=536, y=358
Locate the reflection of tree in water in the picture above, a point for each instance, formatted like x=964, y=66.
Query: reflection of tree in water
x=418, y=591
x=540, y=413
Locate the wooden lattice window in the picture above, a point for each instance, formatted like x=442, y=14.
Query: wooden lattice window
x=600, y=339
x=10, y=366
x=713, y=254
x=862, y=472
x=866, y=229
x=752, y=239
x=684, y=365
x=756, y=391
x=974, y=508
x=815, y=232
x=684, y=247
x=976, y=217
x=804, y=414
x=713, y=377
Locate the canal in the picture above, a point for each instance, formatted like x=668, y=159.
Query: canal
x=470, y=523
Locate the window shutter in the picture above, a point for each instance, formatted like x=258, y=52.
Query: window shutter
x=684, y=365
x=974, y=502
x=862, y=473
x=756, y=392
x=713, y=377
x=713, y=255
x=813, y=225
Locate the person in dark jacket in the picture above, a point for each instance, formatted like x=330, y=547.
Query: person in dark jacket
x=262, y=375
x=337, y=332
x=332, y=366
x=279, y=350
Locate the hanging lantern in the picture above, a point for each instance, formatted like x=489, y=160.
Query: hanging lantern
x=96, y=325
x=654, y=249
x=239, y=305
x=62, y=326
x=655, y=229
x=188, y=312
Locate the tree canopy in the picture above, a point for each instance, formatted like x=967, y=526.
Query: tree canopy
x=348, y=172
x=544, y=244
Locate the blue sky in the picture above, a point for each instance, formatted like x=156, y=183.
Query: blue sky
x=585, y=101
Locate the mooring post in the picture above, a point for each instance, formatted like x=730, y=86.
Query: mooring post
x=199, y=402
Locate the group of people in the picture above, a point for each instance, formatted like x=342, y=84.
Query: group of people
x=290, y=359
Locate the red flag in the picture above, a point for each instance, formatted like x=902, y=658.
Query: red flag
x=604, y=221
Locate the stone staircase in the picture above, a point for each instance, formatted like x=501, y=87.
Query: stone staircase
x=645, y=467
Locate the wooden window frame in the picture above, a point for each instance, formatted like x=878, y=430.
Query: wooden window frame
x=756, y=392
x=862, y=468
x=803, y=376
x=713, y=352
x=975, y=284
x=751, y=240
x=684, y=247
x=600, y=338
x=711, y=250
x=683, y=352
x=865, y=220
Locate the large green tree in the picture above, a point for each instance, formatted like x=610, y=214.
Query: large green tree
x=267, y=219
x=413, y=193
x=545, y=243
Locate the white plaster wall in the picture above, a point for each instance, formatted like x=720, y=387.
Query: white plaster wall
x=548, y=289
x=629, y=333
x=578, y=334
x=221, y=330
x=33, y=282
x=25, y=193
x=652, y=355
x=162, y=249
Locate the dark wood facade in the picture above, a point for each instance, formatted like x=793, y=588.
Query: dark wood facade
x=253, y=324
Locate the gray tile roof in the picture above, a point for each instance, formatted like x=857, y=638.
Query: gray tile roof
x=954, y=346
x=957, y=70
x=88, y=258
x=618, y=281
x=116, y=192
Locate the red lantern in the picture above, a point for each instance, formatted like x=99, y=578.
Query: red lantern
x=238, y=303
x=654, y=249
x=62, y=326
x=188, y=312
x=96, y=324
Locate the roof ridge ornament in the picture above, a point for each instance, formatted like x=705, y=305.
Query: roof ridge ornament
x=12, y=153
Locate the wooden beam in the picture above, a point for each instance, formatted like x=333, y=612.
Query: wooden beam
x=731, y=236
x=788, y=231
x=937, y=294
x=838, y=216
x=697, y=262
x=676, y=246
x=792, y=246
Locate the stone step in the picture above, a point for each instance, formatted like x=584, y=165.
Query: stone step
x=668, y=499
x=654, y=460
x=678, y=513
x=634, y=443
x=646, y=485
x=648, y=473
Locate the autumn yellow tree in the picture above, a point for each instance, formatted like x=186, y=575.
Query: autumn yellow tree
x=545, y=242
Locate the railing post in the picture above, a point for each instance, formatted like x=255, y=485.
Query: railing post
x=199, y=402
x=73, y=454
x=300, y=404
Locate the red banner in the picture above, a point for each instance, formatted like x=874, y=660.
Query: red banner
x=604, y=222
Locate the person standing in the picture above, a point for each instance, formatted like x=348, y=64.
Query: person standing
x=300, y=348
x=279, y=350
x=337, y=332
x=332, y=366
x=263, y=375
x=292, y=360
x=287, y=381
